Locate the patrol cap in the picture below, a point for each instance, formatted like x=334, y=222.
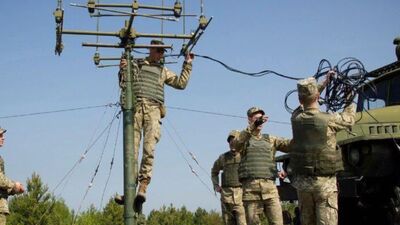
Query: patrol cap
x=158, y=42
x=307, y=87
x=253, y=110
x=233, y=133
x=2, y=130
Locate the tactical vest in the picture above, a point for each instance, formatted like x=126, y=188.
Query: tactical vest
x=310, y=154
x=257, y=160
x=230, y=174
x=147, y=83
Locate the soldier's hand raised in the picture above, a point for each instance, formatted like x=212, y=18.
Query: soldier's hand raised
x=189, y=57
x=260, y=121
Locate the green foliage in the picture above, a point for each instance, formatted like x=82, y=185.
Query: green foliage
x=289, y=207
x=172, y=216
x=202, y=217
x=38, y=206
x=113, y=214
x=89, y=217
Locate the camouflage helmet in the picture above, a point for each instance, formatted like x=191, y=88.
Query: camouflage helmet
x=2, y=130
x=307, y=87
x=253, y=110
x=232, y=134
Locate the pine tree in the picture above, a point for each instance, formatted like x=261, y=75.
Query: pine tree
x=112, y=214
x=38, y=207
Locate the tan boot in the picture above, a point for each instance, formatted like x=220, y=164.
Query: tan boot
x=142, y=189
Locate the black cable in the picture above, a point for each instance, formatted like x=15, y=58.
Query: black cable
x=343, y=87
x=288, y=109
x=256, y=74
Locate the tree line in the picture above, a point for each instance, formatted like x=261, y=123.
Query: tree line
x=40, y=207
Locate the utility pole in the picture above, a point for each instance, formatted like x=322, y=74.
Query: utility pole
x=127, y=36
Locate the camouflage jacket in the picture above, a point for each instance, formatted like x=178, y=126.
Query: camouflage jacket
x=278, y=143
x=338, y=122
x=6, y=188
x=220, y=165
x=167, y=76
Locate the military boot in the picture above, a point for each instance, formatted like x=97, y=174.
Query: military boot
x=119, y=199
x=140, y=196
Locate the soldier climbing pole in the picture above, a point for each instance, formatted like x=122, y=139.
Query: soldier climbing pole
x=128, y=36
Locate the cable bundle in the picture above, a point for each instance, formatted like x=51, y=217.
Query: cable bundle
x=343, y=87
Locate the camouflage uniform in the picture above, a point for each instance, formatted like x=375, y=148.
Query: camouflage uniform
x=260, y=194
x=317, y=194
x=231, y=196
x=6, y=189
x=149, y=109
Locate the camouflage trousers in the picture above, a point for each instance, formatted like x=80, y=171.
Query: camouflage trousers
x=318, y=207
x=147, y=121
x=232, y=206
x=3, y=219
x=261, y=196
x=233, y=214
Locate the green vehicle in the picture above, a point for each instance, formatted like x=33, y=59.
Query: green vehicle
x=369, y=186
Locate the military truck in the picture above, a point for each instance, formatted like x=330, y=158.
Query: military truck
x=369, y=186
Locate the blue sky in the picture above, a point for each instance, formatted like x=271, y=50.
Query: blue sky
x=290, y=37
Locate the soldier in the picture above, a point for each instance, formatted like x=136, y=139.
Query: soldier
x=7, y=186
x=257, y=169
x=148, y=87
x=315, y=158
x=231, y=190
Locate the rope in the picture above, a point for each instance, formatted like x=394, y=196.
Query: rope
x=116, y=115
x=59, y=111
x=192, y=155
x=187, y=161
x=111, y=164
x=221, y=114
x=82, y=157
